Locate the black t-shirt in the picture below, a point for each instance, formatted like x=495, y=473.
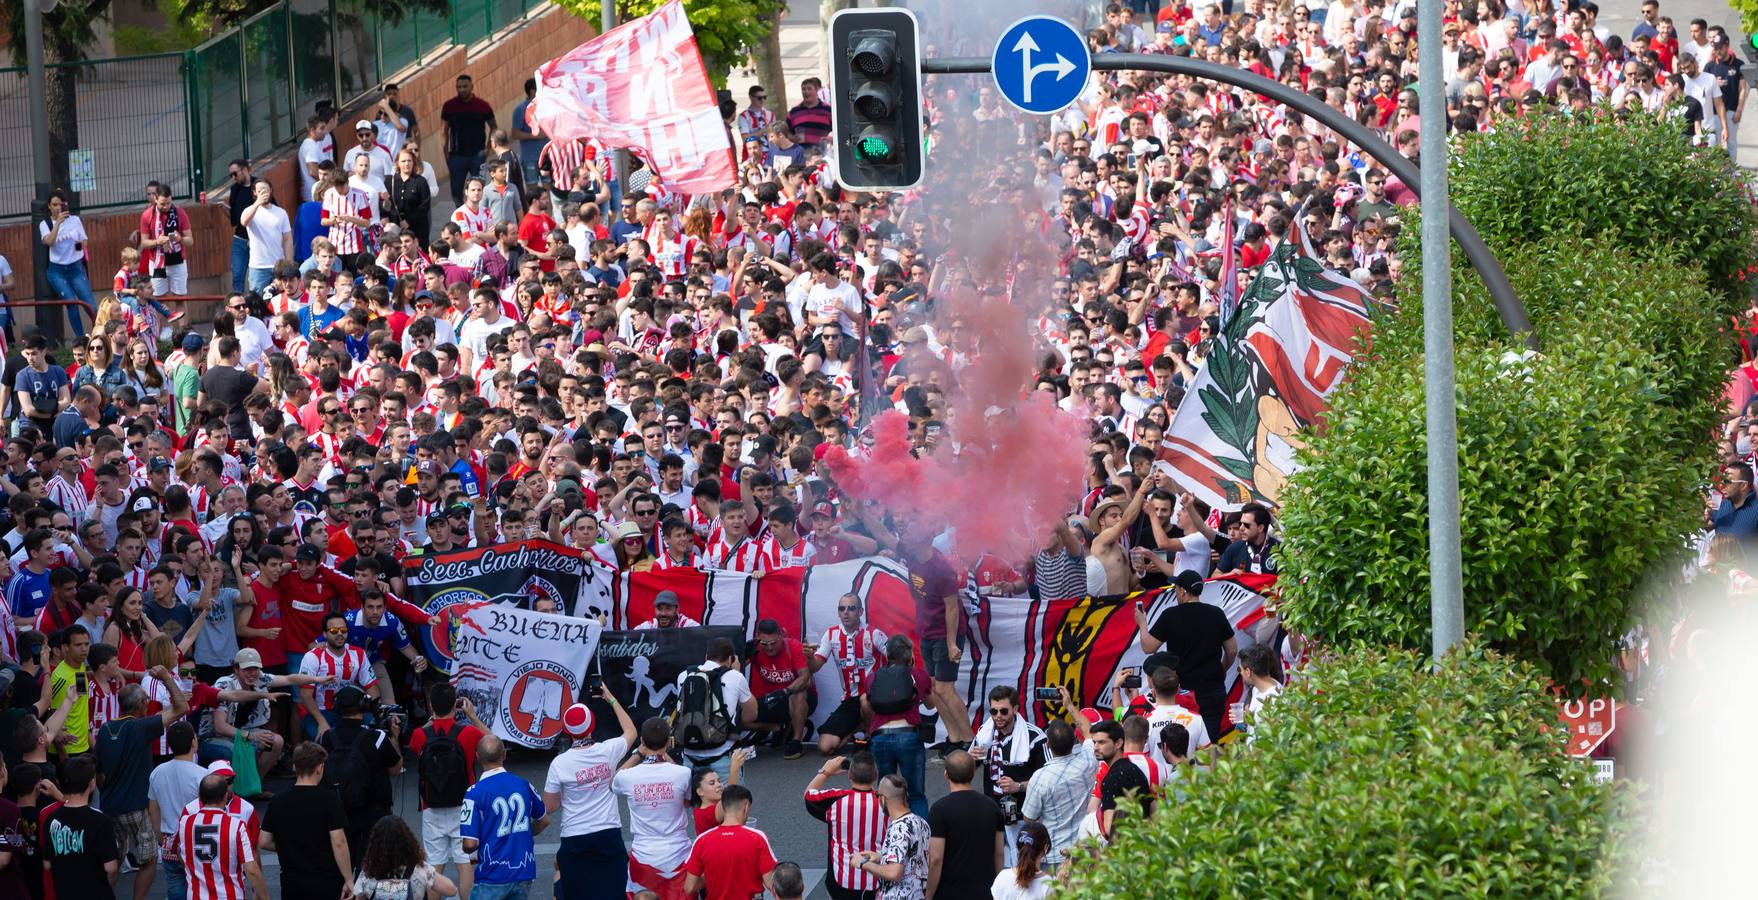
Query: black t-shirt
x=230, y=386
x=77, y=841
x=1727, y=76
x=1194, y=632
x=179, y=613
x=968, y=822
x=1122, y=778
x=381, y=755
x=12, y=840
x=125, y=755
x=301, y=819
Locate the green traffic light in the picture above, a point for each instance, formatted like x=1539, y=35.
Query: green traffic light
x=873, y=149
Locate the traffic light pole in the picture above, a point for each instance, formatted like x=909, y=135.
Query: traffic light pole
x=1512, y=312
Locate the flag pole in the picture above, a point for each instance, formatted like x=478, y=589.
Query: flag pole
x=619, y=158
x=1446, y=591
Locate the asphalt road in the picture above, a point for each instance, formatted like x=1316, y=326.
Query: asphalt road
x=777, y=810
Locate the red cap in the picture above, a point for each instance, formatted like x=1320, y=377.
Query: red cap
x=577, y=720
x=824, y=508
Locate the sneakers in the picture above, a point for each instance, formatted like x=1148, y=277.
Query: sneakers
x=175, y=315
x=794, y=750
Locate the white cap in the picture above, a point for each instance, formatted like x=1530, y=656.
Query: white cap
x=364, y=125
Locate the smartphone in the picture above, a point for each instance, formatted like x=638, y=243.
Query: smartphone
x=594, y=683
x=79, y=685
x=1046, y=693
x=1132, y=681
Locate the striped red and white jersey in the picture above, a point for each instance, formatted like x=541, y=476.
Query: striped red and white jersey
x=105, y=704
x=564, y=158
x=69, y=495
x=8, y=632
x=754, y=123
x=135, y=578
x=404, y=266
x=799, y=555
x=351, y=668
x=854, y=653
x=330, y=444
x=673, y=256
x=214, y=846
x=746, y=555
x=695, y=561
x=347, y=236
x=857, y=822
x=473, y=222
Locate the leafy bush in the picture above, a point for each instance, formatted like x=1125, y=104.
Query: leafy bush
x=1375, y=775
x=726, y=30
x=1633, y=180
x=1579, y=468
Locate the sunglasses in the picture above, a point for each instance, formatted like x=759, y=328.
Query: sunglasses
x=335, y=631
x=848, y=609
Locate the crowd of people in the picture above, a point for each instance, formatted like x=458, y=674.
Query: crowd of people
x=206, y=523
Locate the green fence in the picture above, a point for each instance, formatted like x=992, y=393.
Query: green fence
x=183, y=117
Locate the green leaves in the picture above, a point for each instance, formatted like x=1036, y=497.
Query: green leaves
x=726, y=30
x=1374, y=774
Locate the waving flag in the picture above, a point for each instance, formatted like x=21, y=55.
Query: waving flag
x=641, y=86
x=1229, y=293
x=1276, y=358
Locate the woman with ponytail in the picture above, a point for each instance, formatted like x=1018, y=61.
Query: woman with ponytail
x=1026, y=880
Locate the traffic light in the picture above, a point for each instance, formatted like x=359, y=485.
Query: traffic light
x=876, y=98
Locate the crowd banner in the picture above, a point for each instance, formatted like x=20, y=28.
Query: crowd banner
x=1275, y=361
x=507, y=659
x=641, y=668
x=522, y=668
x=642, y=86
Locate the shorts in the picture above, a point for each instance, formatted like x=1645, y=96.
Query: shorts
x=441, y=838
x=136, y=837
x=643, y=877
x=939, y=664
x=772, y=709
x=171, y=280
x=844, y=720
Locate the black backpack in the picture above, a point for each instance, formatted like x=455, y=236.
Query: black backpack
x=703, y=720
x=445, y=775
x=892, y=690
x=349, y=770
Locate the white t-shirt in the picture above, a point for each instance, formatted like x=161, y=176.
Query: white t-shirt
x=66, y=250
x=1167, y=715
x=819, y=298
x=5, y=272
x=264, y=232
x=473, y=335
x=582, y=776
x=734, y=689
x=313, y=152
x=1006, y=886
x=1194, y=556
x=658, y=795
x=378, y=167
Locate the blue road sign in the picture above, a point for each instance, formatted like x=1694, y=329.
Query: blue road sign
x=1041, y=64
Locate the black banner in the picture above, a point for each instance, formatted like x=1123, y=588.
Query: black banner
x=641, y=668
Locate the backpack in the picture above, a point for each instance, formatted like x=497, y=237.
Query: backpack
x=703, y=720
x=349, y=772
x=892, y=690
x=445, y=775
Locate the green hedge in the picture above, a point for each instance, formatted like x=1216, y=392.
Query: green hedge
x=1374, y=775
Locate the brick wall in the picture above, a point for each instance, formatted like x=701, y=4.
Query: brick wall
x=499, y=67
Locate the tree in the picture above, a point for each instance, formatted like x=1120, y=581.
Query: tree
x=1580, y=466
x=1375, y=775
x=726, y=30
x=68, y=30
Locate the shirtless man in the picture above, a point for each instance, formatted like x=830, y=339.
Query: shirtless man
x=1112, y=519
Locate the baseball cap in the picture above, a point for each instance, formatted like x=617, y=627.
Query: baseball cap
x=436, y=517
x=427, y=466
x=192, y=342
x=145, y=503
x=577, y=720
x=666, y=598
x=1167, y=27
x=159, y=464
x=1189, y=580
x=308, y=553
x=362, y=125
x=824, y=508
x=247, y=659
x=221, y=767
x=915, y=335
x=350, y=699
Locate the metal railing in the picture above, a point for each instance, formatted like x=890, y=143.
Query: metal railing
x=181, y=118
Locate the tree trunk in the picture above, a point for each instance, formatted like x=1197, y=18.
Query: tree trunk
x=767, y=59
x=61, y=95
x=827, y=8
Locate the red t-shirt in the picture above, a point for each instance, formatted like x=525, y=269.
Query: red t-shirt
x=534, y=232
x=731, y=860
x=773, y=673
x=467, y=738
x=267, y=614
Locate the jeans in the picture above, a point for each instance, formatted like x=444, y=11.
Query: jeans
x=518, y=890
x=214, y=749
x=176, y=888
x=722, y=764
x=459, y=168
x=900, y=750
x=240, y=261
x=258, y=279
x=593, y=866
x=67, y=281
